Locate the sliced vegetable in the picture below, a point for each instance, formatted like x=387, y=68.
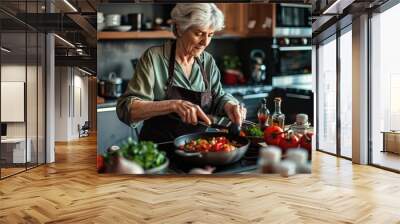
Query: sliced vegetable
x=219, y=144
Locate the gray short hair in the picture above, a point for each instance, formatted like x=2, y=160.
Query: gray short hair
x=186, y=15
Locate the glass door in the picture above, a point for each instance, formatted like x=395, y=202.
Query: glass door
x=22, y=76
x=14, y=56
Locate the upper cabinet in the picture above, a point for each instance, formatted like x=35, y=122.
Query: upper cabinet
x=248, y=20
x=234, y=18
x=241, y=20
x=114, y=35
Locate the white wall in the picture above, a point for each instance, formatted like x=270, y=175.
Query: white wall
x=71, y=94
x=33, y=127
x=61, y=103
x=13, y=73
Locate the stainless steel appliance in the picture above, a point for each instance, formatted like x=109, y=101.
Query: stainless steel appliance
x=293, y=20
x=291, y=45
x=112, y=87
x=292, y=56
x=251, y=96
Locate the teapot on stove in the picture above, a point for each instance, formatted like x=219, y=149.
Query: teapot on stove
x=258, y=68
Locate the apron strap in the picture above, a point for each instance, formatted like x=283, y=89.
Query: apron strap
x=204, y=74
x=171, y=65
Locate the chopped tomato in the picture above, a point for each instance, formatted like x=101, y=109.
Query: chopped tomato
x=218, y=144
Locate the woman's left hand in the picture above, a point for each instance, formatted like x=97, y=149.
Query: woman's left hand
x=235, y=112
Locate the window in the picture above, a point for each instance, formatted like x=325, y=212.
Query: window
x=346, y=94
x=327, y=96
x=385, y=87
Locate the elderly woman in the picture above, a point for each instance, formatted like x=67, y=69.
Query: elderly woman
x=178, y=84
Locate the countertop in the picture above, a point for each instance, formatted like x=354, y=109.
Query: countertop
x=107, y=104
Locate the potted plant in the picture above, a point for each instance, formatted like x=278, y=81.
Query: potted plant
x=232, y=74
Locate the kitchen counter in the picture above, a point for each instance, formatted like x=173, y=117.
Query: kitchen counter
x=247, y=88
x=251, y=89
x=107, y=104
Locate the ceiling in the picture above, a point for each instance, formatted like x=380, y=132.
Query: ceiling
x=76, y=24
x=73, y=20
x=330, y=16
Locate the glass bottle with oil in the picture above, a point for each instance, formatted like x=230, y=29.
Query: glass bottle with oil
x=263, y=115
x=278, y=118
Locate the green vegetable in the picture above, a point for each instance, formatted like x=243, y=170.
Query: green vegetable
x=231, y=62
x=255, y=131
x=144, y=153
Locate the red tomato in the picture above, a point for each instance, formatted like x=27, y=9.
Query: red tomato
x=222, y=140
x=100, y=163
x=289, y=141
x=306, y=142
x=273, y=135
x=218, y=146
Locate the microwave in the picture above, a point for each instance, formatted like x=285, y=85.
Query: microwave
x=293, y=15
x=293, y=20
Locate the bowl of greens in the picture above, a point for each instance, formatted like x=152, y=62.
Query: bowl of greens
x=143, y=153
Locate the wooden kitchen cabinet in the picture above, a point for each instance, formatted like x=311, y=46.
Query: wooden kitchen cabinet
x=235, y=18
x=263, y=18
x=241, y=20
x=248, y=20
x=159, y=34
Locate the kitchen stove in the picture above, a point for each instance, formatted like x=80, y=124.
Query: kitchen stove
x=248, y=164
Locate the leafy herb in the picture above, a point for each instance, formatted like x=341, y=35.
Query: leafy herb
x=144, y=153
x=255, y=131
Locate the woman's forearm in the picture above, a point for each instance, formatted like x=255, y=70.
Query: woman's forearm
x=142, y=110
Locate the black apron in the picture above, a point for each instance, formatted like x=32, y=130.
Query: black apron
x=167, y=127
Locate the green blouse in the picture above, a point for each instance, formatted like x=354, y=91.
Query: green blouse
x=151, y=76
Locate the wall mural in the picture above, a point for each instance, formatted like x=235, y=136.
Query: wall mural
x=188, y=89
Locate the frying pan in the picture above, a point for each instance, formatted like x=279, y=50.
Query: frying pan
x=211, y=158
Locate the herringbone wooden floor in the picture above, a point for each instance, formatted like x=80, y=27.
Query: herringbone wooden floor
x=70, y=191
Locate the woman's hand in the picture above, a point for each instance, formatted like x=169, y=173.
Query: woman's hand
x=189, y=113
x=235, y=112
